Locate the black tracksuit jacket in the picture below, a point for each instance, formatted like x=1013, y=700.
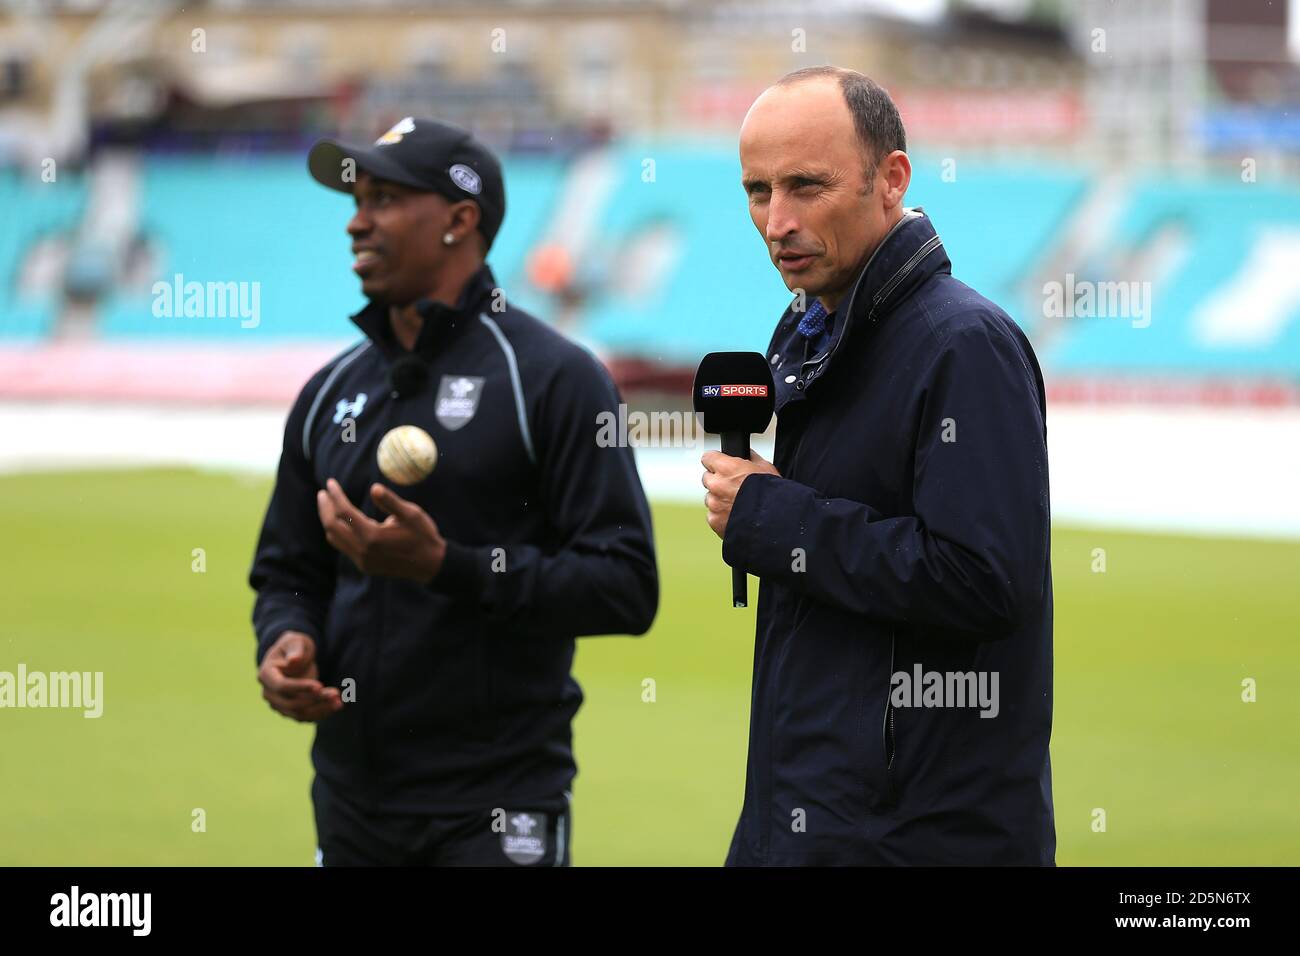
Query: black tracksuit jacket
x=909, y=528
x=464, y=696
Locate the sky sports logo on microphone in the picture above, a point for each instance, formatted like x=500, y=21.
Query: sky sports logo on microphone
x=733, y=391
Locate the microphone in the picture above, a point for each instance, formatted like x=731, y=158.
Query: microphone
x=408, y=375
x=735, y=395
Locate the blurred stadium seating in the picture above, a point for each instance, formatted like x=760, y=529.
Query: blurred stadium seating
x=263, y=220
x=30, y=215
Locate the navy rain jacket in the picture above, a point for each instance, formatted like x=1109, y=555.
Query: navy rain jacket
x=464, y=696
x=908, y=534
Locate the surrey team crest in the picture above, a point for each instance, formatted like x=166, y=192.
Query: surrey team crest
x=458, y=398
x=524, y=841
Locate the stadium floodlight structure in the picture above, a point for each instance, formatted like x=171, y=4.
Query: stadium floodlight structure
x=102, y=242
x=118, y=32
x=1145, y=82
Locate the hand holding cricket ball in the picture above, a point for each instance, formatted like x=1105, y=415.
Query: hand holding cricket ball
x=407, y=544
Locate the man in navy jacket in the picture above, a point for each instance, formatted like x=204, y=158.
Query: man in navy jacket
x=902, y=694
x=431, y=634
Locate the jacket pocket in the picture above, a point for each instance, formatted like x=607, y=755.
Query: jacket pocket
x=873, y=743
x=888, y=735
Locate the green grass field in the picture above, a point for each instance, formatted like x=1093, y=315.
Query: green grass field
x=1150, y=725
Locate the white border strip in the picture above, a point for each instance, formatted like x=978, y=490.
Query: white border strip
x=1178, y=470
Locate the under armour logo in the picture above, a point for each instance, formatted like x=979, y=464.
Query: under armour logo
x=346, y=409
x=524, y=824
x=461, y=387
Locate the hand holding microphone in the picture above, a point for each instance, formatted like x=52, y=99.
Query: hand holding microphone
x=723, y=475
x=735, y=395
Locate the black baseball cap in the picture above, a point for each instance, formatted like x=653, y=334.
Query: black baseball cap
x=423, y=154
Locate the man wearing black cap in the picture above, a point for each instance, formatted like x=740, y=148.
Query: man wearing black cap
x=431, y=635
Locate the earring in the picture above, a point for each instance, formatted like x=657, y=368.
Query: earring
x=448, y=238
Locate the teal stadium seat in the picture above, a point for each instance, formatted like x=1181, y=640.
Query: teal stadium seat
x=266, y=221
x=29, y=210
x=996, y=223
x=720, y=289
x=1221, y=230
x=722, y=292
x=263, y=220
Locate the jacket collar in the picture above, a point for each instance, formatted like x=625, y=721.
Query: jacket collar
x=910, y=253
x=442, y=322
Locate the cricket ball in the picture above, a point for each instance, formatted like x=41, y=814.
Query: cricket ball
x=407, y=455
